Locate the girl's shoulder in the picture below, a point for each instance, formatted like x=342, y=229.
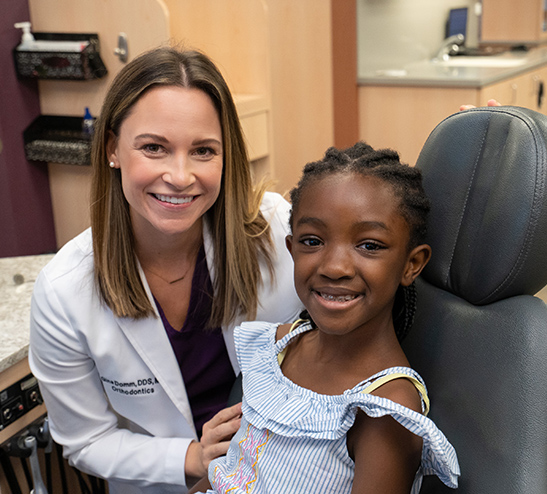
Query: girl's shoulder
x=282, y=331
x=402, y=391
x=401, y=385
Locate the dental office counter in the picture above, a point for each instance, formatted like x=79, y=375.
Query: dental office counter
x=20, y=401
x=400, y=106
x=17, y=275
x=482, y=71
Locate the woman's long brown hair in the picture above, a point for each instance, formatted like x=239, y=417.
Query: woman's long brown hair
x=241, y=236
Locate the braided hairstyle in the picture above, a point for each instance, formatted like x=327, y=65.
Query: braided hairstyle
x=406, y=182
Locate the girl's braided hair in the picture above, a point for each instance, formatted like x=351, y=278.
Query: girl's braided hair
x=406, y=182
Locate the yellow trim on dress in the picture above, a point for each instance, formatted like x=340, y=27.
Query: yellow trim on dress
x=398, y=375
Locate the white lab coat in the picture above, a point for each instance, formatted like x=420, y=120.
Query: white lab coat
x=112, y=387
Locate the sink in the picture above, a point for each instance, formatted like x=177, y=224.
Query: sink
x=487, y=62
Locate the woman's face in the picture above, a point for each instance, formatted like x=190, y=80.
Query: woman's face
x=169, y=151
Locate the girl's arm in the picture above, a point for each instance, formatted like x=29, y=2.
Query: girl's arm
x=386, y=454
x=202, y=486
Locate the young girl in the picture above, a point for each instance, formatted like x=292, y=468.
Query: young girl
x=330, y=402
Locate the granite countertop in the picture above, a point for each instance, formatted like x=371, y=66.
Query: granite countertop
x=17, y=276
x=427, y=73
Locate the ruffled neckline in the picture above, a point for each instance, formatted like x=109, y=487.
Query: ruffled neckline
x=273, y=401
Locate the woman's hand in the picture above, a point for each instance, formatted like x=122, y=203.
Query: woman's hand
x=491, y=102
x=214, y=441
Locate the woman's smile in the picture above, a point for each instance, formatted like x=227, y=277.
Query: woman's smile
x=173, y=200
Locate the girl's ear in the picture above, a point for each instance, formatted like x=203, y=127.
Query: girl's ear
x=288, y=243
x=111, y=148
x=417, y=259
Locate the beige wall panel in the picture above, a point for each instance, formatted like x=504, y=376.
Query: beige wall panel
x=302, y=89
x=70, y=192
x=233, y=33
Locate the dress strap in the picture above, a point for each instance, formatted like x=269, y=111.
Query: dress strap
x=294, y=325
x=398, y=375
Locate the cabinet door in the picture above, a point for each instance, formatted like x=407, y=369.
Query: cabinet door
x=514, y=21
x=402, y=117
x=517, y=91
x=526, y=90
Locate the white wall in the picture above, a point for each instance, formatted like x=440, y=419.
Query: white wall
x=391, y=33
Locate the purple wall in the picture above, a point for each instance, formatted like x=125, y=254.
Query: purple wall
x=26, y=219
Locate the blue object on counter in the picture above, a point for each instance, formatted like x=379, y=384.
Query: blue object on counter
x=87, y=124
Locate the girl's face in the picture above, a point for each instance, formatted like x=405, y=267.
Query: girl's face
x=170, y=154
x=350, y=247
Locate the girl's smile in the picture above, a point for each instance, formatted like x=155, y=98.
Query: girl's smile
x=333, y=298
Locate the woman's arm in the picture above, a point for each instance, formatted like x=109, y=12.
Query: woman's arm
x=81, y=416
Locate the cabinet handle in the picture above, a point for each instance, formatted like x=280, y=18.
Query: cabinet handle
x=122, y=51
x=514, y=88
x=540, y=94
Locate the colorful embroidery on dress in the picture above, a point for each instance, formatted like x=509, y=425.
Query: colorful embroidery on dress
x=252, y=445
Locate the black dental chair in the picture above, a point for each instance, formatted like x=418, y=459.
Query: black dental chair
x=480, y=336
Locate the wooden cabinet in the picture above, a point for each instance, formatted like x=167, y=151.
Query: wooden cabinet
x=401, y=117
x=526, y=90
x=516, y=21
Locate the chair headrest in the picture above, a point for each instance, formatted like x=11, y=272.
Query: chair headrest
x=485, y=171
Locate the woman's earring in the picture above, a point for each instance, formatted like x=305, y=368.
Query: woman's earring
x=111, y=164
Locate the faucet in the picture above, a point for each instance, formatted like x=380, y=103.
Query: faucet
x=450, y=45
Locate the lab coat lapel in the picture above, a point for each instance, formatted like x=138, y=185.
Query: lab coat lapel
x=149, y=338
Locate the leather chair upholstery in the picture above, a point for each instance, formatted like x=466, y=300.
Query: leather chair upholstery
x=480, y=336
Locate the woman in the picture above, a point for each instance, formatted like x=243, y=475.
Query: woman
x=131, y=324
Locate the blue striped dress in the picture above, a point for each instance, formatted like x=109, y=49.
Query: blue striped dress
x=293, y=440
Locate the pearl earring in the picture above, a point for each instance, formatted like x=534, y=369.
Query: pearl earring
x=112, y=165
